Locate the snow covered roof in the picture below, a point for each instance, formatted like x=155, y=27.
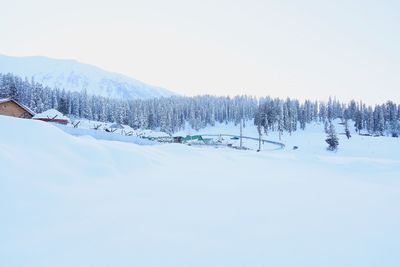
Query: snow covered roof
x=51, y=114
x=116, y=126
x=3, y=100
x=151, y=133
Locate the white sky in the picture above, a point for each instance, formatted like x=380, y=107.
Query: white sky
x=304, y=49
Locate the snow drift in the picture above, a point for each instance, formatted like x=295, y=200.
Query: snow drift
x=78, y=201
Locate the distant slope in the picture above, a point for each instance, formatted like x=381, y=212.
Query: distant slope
x=75, y=76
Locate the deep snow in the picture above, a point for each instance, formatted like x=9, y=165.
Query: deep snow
x=78, y=201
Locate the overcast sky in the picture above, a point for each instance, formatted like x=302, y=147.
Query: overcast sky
x=305, y=49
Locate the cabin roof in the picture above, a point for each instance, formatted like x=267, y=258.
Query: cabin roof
x=51, y=115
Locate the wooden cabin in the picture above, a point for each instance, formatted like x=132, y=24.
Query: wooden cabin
x=11, y=107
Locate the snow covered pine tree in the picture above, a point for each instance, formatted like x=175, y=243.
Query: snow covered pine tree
x=332, y=138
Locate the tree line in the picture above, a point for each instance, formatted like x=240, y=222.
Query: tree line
x=287, y=115
x=171, y=114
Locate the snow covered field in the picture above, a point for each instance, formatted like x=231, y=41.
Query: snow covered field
x=78, y=201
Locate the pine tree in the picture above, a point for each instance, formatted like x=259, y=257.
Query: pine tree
x=280, y=126
x=63, y=105
x=326, y=127
x=332, y=138
x=346, y=129
x=395, y=128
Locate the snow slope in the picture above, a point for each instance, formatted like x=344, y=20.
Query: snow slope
x=75, y=76
x=77, y=201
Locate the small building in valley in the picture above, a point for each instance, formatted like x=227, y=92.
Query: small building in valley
x=11, y=107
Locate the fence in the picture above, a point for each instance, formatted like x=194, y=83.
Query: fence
x=103, y=135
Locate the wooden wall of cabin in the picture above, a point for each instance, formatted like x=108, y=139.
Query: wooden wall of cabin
x=11, y=109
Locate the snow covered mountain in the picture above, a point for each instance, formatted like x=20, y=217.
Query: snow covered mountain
x=75, y=76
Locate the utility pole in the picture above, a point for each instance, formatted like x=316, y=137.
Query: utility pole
x=259, y=132
x=241, y=132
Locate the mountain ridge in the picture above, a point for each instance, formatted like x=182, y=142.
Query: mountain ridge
x=72, y=75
